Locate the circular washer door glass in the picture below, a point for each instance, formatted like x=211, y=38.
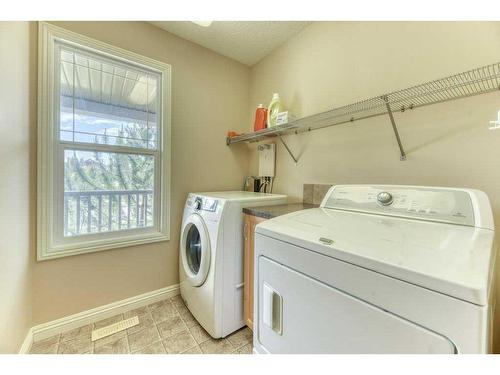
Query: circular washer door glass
x=193, y=249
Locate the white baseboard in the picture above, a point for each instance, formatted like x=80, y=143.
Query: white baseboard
x=28, y=341
x=42, y=331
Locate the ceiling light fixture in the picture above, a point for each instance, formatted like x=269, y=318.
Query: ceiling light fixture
x=203, y=23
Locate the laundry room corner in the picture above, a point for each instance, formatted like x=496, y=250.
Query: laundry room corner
x=243, y=186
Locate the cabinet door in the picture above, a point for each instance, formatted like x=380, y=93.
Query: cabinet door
x=248, y=269
x=298, y=314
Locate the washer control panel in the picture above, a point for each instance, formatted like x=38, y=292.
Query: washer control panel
x=202, y=203
x=433, y=204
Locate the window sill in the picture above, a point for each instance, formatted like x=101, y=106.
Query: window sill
x=100, y=245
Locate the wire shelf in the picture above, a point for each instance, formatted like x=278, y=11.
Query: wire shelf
x=473, y=82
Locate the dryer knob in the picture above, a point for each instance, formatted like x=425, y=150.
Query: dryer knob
x=384, y=198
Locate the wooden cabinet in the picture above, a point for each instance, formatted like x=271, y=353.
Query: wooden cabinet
x=250, y=223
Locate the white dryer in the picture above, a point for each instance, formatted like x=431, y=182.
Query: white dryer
x=377, y=269
x=211, y=257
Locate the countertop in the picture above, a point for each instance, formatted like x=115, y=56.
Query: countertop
x=268, y=212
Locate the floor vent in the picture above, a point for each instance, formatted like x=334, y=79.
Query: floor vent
x=114, y=328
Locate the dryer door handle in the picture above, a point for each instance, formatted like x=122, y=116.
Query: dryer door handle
x=272, y=315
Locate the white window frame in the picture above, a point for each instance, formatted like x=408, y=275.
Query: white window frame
x=50, y=164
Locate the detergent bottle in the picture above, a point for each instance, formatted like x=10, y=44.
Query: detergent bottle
x=260, y=118
x=274, y=108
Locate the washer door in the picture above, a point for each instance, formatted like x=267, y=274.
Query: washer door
x=195, y=250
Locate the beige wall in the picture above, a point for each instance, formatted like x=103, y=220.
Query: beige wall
x=209, y=96
x=333, y=64
x=16, y=223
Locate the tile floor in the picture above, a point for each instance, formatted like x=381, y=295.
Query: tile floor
x=165, y=327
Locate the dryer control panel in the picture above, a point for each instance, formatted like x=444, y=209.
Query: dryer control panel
x=425, y=203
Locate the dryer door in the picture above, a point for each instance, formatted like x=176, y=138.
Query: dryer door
x=298, y=314
x=195, y=250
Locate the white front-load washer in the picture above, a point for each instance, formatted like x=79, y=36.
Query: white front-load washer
x=377, y=269
x=211, y=257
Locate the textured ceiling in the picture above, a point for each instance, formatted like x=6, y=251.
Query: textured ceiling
x=244, y=41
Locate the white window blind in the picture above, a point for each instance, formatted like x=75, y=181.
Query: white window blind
x=104, y=101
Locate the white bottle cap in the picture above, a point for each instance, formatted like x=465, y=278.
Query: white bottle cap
x=276, y=96
x=260, y=106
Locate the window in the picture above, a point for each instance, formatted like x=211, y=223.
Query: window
x=103, y=146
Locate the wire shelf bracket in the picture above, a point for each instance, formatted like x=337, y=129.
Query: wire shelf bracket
x=482, y=80
x=395, y=129
x=288, y=150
